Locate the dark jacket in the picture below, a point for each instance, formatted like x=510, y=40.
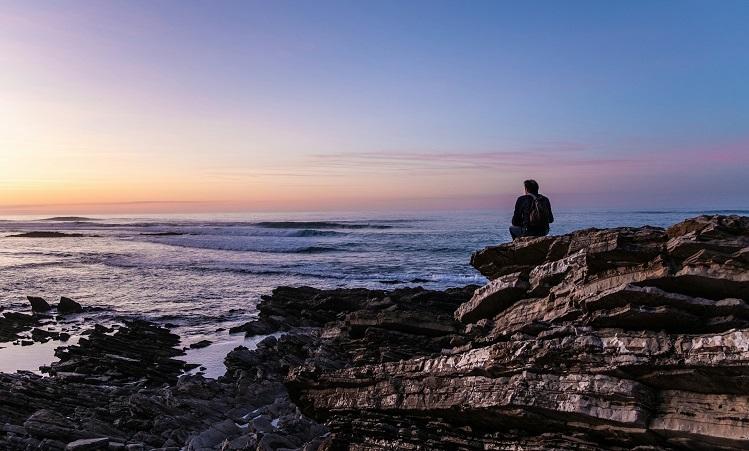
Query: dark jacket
x=522, y=214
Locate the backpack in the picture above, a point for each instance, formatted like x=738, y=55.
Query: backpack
x=540, y=213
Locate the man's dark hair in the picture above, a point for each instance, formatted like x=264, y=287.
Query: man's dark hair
x=531, y=186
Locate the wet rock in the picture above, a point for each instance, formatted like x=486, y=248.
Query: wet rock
x=200, y=344
x=138, y=351
x=12, y=324
x=68, y=305
x=43, y=336
x=38, y=304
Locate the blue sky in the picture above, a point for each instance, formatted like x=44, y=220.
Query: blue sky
x=336, y=104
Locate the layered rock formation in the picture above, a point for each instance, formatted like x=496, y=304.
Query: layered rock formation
x=628, y=338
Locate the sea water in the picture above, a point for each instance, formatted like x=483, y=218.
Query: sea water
x=202, y=274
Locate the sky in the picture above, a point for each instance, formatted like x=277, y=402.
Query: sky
x=208, y=106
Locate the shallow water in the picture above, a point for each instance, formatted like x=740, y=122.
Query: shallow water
x=202, y=274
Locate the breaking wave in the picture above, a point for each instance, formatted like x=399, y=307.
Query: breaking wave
x=319, y=225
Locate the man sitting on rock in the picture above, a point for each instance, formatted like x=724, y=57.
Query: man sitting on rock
x=532, y=213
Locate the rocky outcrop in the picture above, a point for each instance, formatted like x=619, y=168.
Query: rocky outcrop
x=366, y=325
x=138, y=351
x=601, y=339
x=12, y=324
x=68, y=305
x=38, y=304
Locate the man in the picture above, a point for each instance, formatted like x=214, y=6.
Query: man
x=532, y=213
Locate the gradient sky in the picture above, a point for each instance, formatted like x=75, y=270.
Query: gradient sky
x=130, y=106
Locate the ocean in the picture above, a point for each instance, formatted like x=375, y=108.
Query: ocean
x=202, y=274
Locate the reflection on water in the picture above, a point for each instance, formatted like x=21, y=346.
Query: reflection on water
x=29, y=358
x=212, y=357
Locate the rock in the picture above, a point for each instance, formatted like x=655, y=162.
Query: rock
x=696, y=420
x=68, y=305
x=492, y=298
x=38, y=304
x=46, y=423
x=90, y=444
x=247, y=441
x=12, y=324
x=520, y=255
x=13, y=429
x=211, y=438
x=273, y=442
x=200, y=344
x=711, y=227
x=262, y=424
x=138, y=351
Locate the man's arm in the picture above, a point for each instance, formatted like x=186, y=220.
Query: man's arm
x=517, y=216
x=551, y=214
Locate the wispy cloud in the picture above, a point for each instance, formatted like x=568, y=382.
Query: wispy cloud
x=88, y=204
x=561, y=156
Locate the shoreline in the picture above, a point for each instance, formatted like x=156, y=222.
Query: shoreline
x=404, y=368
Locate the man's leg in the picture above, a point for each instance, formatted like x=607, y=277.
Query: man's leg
x=516, y=232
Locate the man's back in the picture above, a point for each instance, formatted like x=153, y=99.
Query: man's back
x=522, y=215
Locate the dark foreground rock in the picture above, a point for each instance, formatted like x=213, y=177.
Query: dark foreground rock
x=123, y=390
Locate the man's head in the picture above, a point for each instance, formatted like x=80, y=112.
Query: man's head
x=531, y=186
